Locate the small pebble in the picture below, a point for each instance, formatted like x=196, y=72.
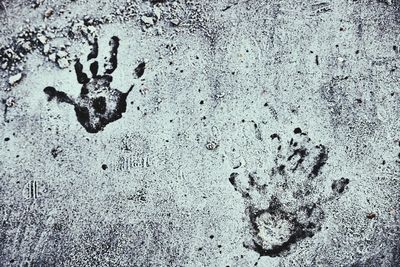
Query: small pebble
x=63, y=63
x=42, y=39
x=147, y=20
x=15, y=78
x=48, y=12
x=62, y=54
x=46, y=49
x=52, y=57
x=10, y=101
x=175, y=22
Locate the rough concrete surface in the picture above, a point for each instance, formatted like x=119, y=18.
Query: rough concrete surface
x=200, y=133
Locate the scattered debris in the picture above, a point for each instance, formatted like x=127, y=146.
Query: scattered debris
x=125, y=13
x=31, y=38
x=85, y=28
x=13, y=55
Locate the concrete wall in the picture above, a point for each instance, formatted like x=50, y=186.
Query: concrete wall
x=208, y=133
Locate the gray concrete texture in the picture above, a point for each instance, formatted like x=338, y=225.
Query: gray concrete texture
x=199, y=133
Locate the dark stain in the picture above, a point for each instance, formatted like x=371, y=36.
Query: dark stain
x=60, y=96
x=302, y=153
x=232, y=179
x=80, y=75
x=321, y=160
x=257, y=132
x=55, y=152
x=94, y=52
x=4, y=101
x=340, y=185
x=139, y=70
x=281, y=169
x=113, y=61
x=275, y=135
x=99, y=104
x=94, y=68
x=297, y=130
x=252, y=179
x=24, y=43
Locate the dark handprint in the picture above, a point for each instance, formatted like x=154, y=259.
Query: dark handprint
x=285, y=206
x=98, y=104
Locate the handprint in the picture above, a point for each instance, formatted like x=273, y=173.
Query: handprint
x=285, y=207
x=98, y=104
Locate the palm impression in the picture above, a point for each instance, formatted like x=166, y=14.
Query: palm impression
x=285, y=207
x=98, y=103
